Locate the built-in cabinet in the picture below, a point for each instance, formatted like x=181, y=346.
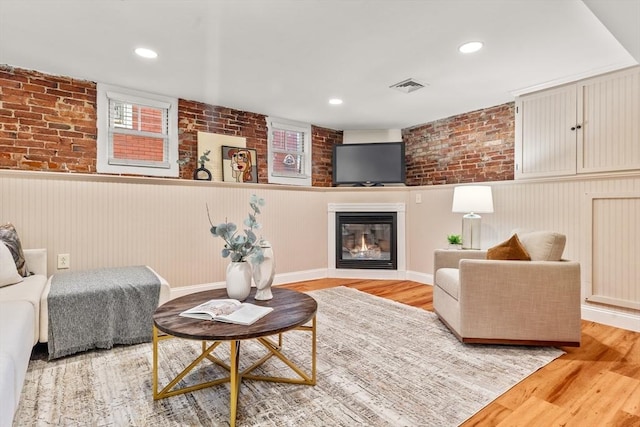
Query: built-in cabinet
x=586, y=127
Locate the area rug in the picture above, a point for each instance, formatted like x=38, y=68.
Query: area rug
x=380, y=363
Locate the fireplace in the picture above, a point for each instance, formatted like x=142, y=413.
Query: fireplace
x=371, y=221
x=366, y=240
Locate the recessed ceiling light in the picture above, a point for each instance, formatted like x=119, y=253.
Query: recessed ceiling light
x=146, y=53
x=335, y=101
x=470, y=47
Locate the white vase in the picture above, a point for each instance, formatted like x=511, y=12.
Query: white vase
x=264, y=272
x=239, y=280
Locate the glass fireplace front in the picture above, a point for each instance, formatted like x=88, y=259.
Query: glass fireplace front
x=366, y=240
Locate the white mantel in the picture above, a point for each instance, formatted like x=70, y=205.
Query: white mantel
x=399, y=209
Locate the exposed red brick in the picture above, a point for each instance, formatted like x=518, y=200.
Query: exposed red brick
x=49, y=123
x=471, y=147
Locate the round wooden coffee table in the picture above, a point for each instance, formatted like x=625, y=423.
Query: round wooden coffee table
x=291, y=310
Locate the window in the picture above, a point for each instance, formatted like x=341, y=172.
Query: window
x=137, y=132
x=289, y=152
x=122, y=114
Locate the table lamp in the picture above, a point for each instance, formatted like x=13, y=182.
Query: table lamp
x=471, y=200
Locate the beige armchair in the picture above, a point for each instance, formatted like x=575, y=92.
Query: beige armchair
x=510, y=302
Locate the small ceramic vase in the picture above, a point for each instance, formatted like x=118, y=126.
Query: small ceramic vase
x=239, y=280
x=264, y=273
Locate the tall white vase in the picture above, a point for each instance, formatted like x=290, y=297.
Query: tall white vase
x=238, y=280
x=264, y=273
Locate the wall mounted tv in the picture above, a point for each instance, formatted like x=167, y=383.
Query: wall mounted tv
x=369, y=164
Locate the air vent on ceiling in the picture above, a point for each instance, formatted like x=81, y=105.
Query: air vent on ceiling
x=407, y=86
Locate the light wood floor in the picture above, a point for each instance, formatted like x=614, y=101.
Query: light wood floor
x=597, y=384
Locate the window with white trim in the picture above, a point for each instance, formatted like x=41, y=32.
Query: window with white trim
x=289, y=151
x=137, y=132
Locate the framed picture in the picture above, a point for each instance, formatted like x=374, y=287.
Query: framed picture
x=213, y=143
x=239, y=164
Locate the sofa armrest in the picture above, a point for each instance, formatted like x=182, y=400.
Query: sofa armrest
x=521, y=298
x=36, y=261
x=450, y=258
x=492, y=279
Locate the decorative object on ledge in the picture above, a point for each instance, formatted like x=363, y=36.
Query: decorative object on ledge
x=239, y=164
x=214, y=142
x=472, y=199
x=202, y=173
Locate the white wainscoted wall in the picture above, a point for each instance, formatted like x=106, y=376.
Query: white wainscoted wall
x=104, y=221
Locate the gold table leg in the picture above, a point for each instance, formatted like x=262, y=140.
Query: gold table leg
x=234, y=381
x=235, y=376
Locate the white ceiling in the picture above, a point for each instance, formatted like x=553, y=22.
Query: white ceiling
x=286, y=58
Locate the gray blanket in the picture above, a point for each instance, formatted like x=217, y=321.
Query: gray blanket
x=99, y=308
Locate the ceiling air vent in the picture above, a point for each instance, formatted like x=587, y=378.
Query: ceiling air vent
x=407, y=86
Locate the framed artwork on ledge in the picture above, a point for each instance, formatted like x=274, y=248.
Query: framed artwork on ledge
x=239, y=164
x=213, y=142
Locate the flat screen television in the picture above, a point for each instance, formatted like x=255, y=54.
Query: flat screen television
x=369, y=164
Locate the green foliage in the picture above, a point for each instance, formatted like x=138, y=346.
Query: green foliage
x=454, y=239
x=241, y=247
x=204, y=158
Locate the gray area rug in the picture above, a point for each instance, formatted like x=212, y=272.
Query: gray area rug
x=380, y=363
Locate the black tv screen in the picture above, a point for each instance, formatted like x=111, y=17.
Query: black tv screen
x=371, y=163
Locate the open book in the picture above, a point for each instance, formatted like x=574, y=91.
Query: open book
x=228, y=310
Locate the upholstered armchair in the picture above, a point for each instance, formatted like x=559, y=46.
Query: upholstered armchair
x=510, y=301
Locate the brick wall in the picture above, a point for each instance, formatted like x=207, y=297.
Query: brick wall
x=322, y=147
x=194, y=117
x=471, y=147
x=48, y=123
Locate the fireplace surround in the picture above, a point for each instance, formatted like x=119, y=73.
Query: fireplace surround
x=373, y=240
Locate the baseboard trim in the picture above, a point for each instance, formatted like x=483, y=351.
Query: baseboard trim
x=300, y=276
x=627, y=321
x=320, y=273
x=279, y=279
x=416, y=276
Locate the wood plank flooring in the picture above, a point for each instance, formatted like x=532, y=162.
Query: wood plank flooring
x=597, y=384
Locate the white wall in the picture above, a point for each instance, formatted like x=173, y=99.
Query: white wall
x=104, y=221
x=378, y=135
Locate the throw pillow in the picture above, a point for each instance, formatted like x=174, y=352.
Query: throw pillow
x=9, y=236
x=8, y=271
x=511, y=249
x=544, y=245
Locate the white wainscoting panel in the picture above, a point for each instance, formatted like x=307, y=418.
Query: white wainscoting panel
x=614, y=274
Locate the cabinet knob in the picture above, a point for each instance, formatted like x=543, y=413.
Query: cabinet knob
x=576, y=127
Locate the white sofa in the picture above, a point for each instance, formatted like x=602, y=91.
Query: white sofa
x=19, y=331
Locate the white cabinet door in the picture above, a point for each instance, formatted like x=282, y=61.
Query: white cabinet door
x=609, y=111
x=545, y=140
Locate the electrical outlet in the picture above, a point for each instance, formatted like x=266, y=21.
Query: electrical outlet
x=64, y=261
x=418, y=198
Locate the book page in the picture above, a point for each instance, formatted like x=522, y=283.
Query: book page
x=247, y=314
x=213, y=308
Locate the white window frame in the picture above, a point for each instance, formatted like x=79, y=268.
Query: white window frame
x=305, y=128
x=105, y=163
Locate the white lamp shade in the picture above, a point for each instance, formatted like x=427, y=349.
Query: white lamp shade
x=472, y=198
